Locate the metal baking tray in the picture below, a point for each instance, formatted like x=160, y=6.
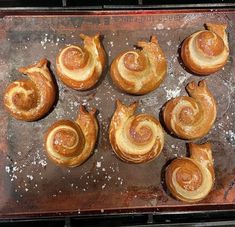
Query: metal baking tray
x=31, y=186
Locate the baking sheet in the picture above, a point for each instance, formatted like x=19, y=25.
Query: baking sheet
x=31, y=185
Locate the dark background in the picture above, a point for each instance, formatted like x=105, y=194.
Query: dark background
x=79, y=3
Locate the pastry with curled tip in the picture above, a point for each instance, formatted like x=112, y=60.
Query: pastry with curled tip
x=139, y=71
x=81, y=67
x=191, y=117
x=191, y=179
x=70, y=143
x=31, y=99
x=135, y=138
x=206, y=51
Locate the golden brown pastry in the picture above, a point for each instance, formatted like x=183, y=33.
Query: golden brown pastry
x=206, y=51
x=139, y=71
x=191, y=179
x=31, y=99
x=191, y=117
x=135, y=138
x=81, y=67
x=71, y=143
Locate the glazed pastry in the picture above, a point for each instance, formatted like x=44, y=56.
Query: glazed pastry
x=135, y=138
x=139, y=71
x=206, y=51
x=71, y=143
x=191, y=179
x=31, y=99
x=191, y=117
x=81, y=67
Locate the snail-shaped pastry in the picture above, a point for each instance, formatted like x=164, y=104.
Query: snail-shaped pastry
x=71, y=143
x=191, y=117
x=135, y=138
x=191, y=179
x=30, y=100
x=139, y=71
x=206, y=51
x=81, y=67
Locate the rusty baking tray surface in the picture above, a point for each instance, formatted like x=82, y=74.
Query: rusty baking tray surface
x=30, y=185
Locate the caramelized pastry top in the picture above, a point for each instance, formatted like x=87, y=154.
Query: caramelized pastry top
x=31, y=99
x=81, y=67
x=139, y=71
x=135, y=138
x=191, y=117
x=71, y=143
x=206, y=51
x=191, y=179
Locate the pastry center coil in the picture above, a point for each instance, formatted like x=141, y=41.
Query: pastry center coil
x=74, y=58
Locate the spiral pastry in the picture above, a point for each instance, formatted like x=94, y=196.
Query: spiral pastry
x=191, y=179
x=81, y=67
x=191, y=117
x=30, y=100
x=135, y=138
x=206, y=51
x=71, y=143
x=139, y=71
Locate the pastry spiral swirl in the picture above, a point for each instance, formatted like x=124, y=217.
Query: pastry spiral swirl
x=71, y=143
x=191, y=179
x=135, y=138
x=81, y=67
x=30, y=100
x=139, y=71
x=191, y=117
x=206, y=51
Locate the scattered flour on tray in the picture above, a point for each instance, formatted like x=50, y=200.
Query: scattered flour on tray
x=172, y=93
x=169, y=43
x=98, y=164
x=159, y=27
x=183, y=78
x=231, y=135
